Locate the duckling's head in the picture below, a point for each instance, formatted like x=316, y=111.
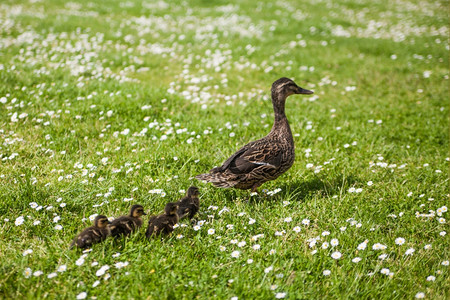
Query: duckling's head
x=101, y=221
x=193, y=191
x=171, y=208
x=284, y=87
x=137, y=210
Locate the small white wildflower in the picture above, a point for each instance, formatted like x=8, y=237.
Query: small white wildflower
x=62, y=268
x=410, y=251
x=399, y=241
x=363, y=245
x=336, y=255
x=382, y=256
x=420, y=295
x=385, y=271
x=235, y=254
x=38, y=273
x=102, y=270
x=19, y=221
x=334, y=242
x=378, y=246
x=280, y=295
x=120, y=265
x=356, y=260
x=27, y=273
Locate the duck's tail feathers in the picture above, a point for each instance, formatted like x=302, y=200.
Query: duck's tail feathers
x=218, y=179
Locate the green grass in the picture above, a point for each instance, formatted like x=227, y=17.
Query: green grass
x=203, y=70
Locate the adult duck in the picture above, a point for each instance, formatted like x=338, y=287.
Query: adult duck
x=264, y=159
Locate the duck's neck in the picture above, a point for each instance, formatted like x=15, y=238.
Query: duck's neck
x=281, y=123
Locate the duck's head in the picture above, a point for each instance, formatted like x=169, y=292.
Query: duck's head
x=285, y=87
x=193, y=191
x=137, y=210
x=101, y=221
x=171, y=208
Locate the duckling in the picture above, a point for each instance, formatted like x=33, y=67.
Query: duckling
x=190, y=204
x=265, y=159
x=163, y=223
x=92, y=235
x=125, y=225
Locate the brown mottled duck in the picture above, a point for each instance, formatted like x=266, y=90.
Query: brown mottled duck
x=92, y=235
x=190, y=204
x=265, y=159
x=125, y=225
x=163, y=223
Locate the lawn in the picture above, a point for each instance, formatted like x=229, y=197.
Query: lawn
x=106, y=104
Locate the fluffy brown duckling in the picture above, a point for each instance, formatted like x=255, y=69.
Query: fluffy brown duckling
x=190, y=204
x=125, y=225
x=265, y=159
x=163, y=223
x=92, y=235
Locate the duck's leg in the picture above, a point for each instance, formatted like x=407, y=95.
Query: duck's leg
x=254, y=189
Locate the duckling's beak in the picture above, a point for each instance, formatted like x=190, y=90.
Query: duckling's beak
x=304, y=91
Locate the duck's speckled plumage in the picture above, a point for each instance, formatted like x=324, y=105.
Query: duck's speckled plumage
x=267, y=158
x=163, y=223
x=92, y=235
x=190, y=204
x=125, y=225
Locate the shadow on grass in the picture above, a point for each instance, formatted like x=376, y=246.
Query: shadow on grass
x=297, y=189
x=301, y=190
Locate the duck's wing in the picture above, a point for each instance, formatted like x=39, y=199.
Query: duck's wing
x=227, y=163
x=151, y=226
x=262, y=156
x=121, y=226
x=258, y=154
